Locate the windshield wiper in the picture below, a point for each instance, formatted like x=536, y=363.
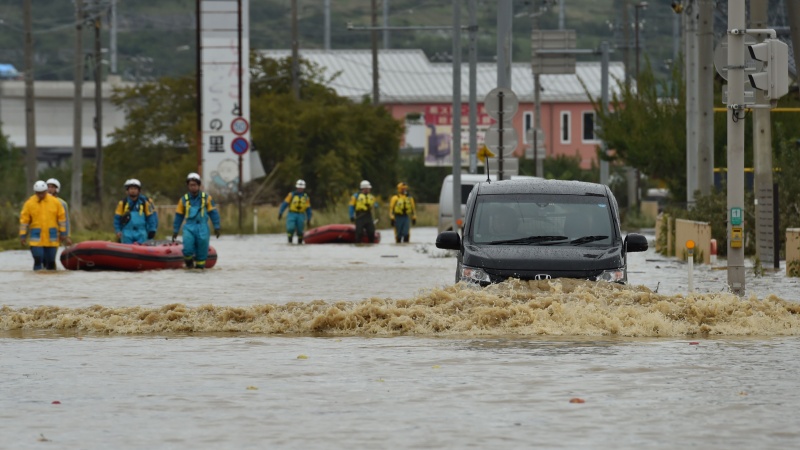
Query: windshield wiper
x=586, y=239
x=530, y=240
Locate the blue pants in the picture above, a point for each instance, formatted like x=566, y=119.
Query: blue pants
x=195, y=242
x=402, y=228
x=133, y=235
x=295, y=222
x=44, y=258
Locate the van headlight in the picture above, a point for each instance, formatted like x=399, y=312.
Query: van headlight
x=473, y=274
x=612, y=276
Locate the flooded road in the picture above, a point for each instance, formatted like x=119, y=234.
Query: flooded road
x=341, y=346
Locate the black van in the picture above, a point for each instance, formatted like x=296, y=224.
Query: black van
x=538, y=229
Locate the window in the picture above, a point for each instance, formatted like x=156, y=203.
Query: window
x=565, y=124
x=527, y=124
x=588, y=126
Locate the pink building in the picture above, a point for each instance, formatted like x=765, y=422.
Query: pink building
x=420, y=93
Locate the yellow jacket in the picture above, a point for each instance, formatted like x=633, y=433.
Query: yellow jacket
x=402, y=205
x=41, y=221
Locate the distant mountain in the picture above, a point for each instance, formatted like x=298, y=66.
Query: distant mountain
x=157, y=37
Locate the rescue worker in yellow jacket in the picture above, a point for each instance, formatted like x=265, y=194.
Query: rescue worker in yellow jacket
x=299, y=205
x=362, y=205
x=135, y=219
x=196, y=208
x=43, y=223
x=402, y=213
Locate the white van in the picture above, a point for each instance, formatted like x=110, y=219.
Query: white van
x=468, y=181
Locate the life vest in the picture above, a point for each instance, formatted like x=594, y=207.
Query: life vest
x=364, y=202
x=402, y=206
x=188, y=204
x=126, y=207
x=299, y=202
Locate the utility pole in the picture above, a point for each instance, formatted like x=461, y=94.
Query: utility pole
x=456, y=113
x=793, y=17
x=762, y=157
x=295, y=54
x=626, y=37
x=327, y=24
x=705, y=97
x=30, y=116
x=504, y=47
x=376, y=98
x=113, y=37
x=692, y=103
x=604, y=52
x=735, y=137
x=473, y=78
x=76, y=192
x=537, y=106
x=98, y=105
x=385, y=24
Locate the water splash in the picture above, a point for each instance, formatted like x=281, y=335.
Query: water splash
x=514, y=308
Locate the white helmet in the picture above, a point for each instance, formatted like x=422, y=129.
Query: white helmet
x=300, y=184
x=365, y=185
x=55, y=183
x=133, y=182
x=40, y=186
x=195, y=177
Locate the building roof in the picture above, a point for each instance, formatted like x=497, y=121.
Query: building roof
x=407, y=76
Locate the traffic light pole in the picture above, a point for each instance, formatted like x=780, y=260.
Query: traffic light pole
x=735, y=137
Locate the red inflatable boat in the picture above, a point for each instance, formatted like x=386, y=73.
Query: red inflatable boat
x=335, y=234
x=104, y=255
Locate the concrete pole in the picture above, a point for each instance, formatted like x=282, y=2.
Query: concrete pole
x=504, y=48
x=456, y=148
x=561, y=14
x=692, y=116
x=473, y=87
x=735, y=132
x=98, y=108
x=113, y=37
x=676, y=38
x=376, y=96
x=626, y=37
x=604, y=174
x=76, y=191
x=30, y=112
x=295, y=53
x=537, y=109
x=762, y=156
x=705, y=98
x=385, y=24
x=504, y=43
x=793, y=17
x=327, y=24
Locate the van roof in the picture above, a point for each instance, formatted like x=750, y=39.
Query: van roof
x=478, y=177
x=541, y=186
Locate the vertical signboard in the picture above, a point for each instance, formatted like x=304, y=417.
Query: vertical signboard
x=225, y=91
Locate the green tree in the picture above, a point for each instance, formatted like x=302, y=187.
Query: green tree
x=12, y=188
x=158, y=144
x=327, y=140
x=646, y=128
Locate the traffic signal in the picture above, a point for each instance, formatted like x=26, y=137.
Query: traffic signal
x=774, y=79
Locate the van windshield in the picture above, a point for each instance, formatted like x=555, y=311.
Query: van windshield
x=542, y=219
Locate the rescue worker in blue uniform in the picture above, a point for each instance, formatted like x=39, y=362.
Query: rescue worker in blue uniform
x=362, y=204
x=135, y=219
x=402, y=213
x=43, y=224
x=299, y=205
x=196, y=207
x=53, y=188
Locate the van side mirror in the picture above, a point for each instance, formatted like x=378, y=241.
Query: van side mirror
x=448, y=240
x=635, y=243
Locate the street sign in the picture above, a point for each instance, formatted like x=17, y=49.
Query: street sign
x=736, y=216
x=239, y=125
x=551, y=41
x=240, y=145
x=509, y=100
x=510, y=139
